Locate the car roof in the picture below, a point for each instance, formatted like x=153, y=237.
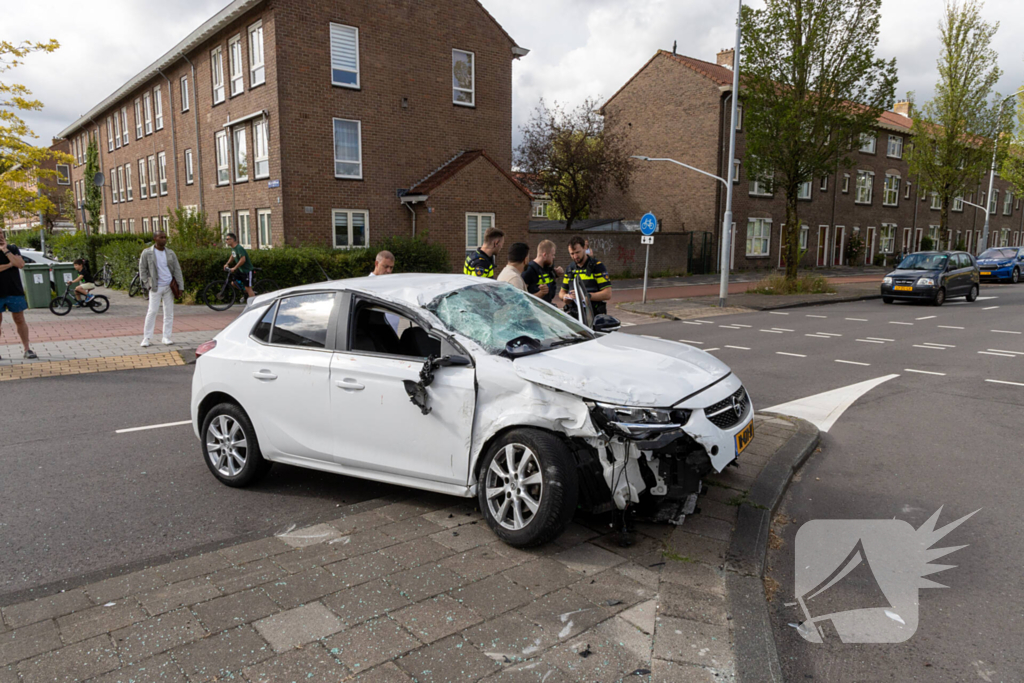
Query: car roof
x=412, y=289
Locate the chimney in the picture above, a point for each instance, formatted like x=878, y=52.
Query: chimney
x=904, y=108
x=725, y=58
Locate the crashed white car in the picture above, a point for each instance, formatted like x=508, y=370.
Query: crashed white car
x=466, y=387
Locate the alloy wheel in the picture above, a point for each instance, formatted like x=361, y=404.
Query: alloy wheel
x=226, y=445
x=514, y=486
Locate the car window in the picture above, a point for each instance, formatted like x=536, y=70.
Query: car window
x=262, y=329
x=383, y=330
x=998, y=253
x=924, y=262
x=966, y=261
x=303, y=320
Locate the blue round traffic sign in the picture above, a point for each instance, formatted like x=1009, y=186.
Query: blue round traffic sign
x=648, y=224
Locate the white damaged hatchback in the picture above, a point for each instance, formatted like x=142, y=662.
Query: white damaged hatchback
x=466, y=387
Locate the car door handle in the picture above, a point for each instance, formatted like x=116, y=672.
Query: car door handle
x=264, y=375
x=349, y=385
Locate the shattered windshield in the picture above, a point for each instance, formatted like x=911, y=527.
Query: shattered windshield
x=493, y=314
x=924, y=262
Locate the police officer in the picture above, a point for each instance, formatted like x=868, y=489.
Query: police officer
x=592, y=272
x=540, y=276
x=481, y=262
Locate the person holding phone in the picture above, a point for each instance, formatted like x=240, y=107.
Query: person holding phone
x=12, y=294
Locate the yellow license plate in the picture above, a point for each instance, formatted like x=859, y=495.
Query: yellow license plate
x=903, y=289
x=986, y=272
x=744, y=438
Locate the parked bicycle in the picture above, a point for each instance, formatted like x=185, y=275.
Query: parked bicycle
x=63, y=304
x=105, y=276
x=222, y=295
x=136, y=287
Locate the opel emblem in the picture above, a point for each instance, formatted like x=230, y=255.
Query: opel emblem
x=737, y=407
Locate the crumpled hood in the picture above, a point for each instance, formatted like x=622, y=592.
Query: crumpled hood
x=624, y=369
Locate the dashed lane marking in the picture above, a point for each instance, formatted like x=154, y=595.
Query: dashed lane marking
x=783, y=329
x=817, y=316
x=1015, y=353
x=881, y=339
x=740, y=325
x=772, y=331
x=990, y=308
x=933, y=348
x=927, y=317
x=147, y=427
x=706, y=322
x=730, y=327
x=690, y=341
x=924, y=372
x=691, y=322
x=986, y=298
x=829, y=334
x=943, y=346
x=714, y=348
x=992, y=353
x=777, y=313
x=741, y=348
x=1004, y=331
x=858, y=320
x=818, y=336
x=794, y=355
x=852, y=362
x=950, y=327
x=871, y=341
x=1000, y=381
x=896, y=322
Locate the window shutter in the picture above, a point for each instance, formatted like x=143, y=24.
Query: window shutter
x=345, y=54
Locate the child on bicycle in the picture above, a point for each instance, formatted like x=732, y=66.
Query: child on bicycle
x=84, y=289
x=243, y=266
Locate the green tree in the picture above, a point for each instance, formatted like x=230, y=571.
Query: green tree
x=93, y=194
x=573, y=157
x=812, y=86
x=954, y=132
x=21, y=163
x=1012, y=169
x=190, y=229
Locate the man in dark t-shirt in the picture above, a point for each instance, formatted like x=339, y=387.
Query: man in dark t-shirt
x=12, y=294
x=541, y=277
x=593, y=274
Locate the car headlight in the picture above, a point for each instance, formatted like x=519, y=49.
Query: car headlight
x=886, y=280
x=926, y=282
x=630, y=420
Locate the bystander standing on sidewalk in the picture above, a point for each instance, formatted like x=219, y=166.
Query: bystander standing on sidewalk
x=161, y=273
x=12, y=293
x=518, y=254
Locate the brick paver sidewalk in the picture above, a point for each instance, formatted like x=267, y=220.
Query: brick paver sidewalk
x=408, y=589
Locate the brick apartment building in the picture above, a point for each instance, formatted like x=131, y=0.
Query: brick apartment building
x=312, y=122
x=680, y=107
x=52, y=186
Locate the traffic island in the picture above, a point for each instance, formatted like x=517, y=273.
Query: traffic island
x=417, y=587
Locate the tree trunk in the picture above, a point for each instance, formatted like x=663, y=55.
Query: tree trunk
x=791, y=237
x=944, y=223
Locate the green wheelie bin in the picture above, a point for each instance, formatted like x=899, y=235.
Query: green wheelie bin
x=63, y=273
x=36, y=279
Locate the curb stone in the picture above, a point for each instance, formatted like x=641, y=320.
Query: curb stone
x=757, y=657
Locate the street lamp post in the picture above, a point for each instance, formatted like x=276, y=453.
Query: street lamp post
x=992, y=174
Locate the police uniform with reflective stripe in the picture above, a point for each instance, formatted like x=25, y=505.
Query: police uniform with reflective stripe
x=595, y=278
x=479, y=264
x=535, y=275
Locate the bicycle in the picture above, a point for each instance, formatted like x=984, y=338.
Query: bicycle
x=220, y=296
x=136, y=287
x=63, y=304
x=105, y=276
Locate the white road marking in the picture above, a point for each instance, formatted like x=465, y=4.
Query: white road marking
x=1015, y=353
x=690, y=341
x=715, y=348
x=706, y=322
x=990, y=353
x=871, y=341
x=741, y=348
x=731, y=327
x=950, y=327
x=895, y=322
x=927, y=317
x=783, y=329
x=924, y=372
x=691, y=322
x=933, y=348
x=624, y=324
x=986, y=298
x=990, y=308
x=858, y=320
x=740, y=325
x=773, y=331
x=778, y=313
x=942, y=346
x=817, y=316
x=999, y=381
x=794, y=355
x=651, y=336
x=852, y=362
x=824, y=409
x=829, y=334
x=141, y=429
x=818, y=336
x=881, y=339
x=1004, y=331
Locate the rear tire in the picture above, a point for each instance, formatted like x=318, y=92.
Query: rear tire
x=60, y=306
x=940, y=297
x=887, y=299
x=211, y=296
x=972, y=295
x=99, y=304
x=528, y=487
x=134, y=289
x=230, y=447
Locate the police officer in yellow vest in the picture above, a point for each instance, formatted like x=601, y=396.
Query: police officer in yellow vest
x=480, y=263
x=592, y=272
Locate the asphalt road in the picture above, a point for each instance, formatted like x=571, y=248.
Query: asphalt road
x=913, y=444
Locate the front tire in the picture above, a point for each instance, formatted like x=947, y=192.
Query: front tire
x=887, y=299
x=940, y=297
x=972, y=295
x=60, y=306
x=528, y=487
x=211, y=296
x=230, y=447
x=1015, y=278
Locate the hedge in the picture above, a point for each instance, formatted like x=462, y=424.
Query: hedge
x=24, y=239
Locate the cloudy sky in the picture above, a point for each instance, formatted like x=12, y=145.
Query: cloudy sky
x=579, y=48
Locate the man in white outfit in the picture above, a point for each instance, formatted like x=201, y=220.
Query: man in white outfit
x=158, y=269
x=384, y=264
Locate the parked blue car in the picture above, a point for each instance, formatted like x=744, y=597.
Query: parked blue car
x=1002, y=264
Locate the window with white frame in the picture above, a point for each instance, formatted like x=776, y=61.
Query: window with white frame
x=113, y=186
x=934, y=234
x=103, y=223
x=804, y=191
x=244, y=233
x=739, y=116
x=217, y=72
x=759, y=236
x=110, y=135
x=241, y=155
x=805, y=232
x=348, y=149
x=846, y=183
x=131, y=225
x=350, y=228
x=122, y=195
x=867, y=143
x=166, y=223
x=128, y=179
x=124, y=125
x=888, y=235
x=1008, y=203
x=184, y=93
x=759, y=188
x=263, y=228
x=138, y=120
x=147, y=105
x=895, y=146
x=865, y=187
x=981, y=198
x=464, y=78
x=344, y=55
x=260, y=149
x=477, y=225
x=143, y=187
x=225, y=223
x=891, y=196
x=906, y=190
x=958, y=203
x=63, y=174
x=993, y=202
x=736, y=166
x=145, y=224
x=152, y=176
x=223, y=163
x=158, y=104
x=235, y=65
x=117, y=130
x=256, y=66
x=161, y=160
x=189, y=173
x=824, y=184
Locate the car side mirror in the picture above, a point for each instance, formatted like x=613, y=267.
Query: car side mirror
x=452, y=361
x=606, y=323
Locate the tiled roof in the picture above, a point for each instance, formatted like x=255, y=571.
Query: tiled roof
x=453, y=166
x=716, y=72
